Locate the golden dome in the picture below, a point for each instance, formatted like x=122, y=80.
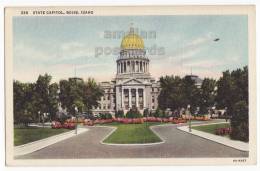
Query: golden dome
x=132, y=41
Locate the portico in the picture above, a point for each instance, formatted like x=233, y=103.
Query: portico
x=132, y=97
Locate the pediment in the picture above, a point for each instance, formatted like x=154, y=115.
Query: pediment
x=132, y=82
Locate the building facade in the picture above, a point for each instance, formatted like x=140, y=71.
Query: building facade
x=133, y=85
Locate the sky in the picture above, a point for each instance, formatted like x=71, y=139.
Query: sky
x=88, y=46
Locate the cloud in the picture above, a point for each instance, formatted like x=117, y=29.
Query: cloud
x=188, y=50
x=75, y=49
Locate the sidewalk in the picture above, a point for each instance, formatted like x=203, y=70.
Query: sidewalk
x=216, y=138
x=37, y=145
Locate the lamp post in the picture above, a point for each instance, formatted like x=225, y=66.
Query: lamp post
x=188, y=107
x=39, y=117
x=76, y=126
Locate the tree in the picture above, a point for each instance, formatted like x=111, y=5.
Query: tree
x=77, y=93
x=225, y=91
x=64, y=94
x=231, y=88
x=41, y=94
x=53, y=100
x=190, y=94
x=232, y=94
x=91, y=94
x=71, y=95
x=207, y=95
x=177, y=93
x=171, y=95
x=24, y=108
x=18, y=95
x=239, y=122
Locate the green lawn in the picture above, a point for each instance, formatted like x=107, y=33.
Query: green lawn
x=26, y=135
x=132, y=134
x=211, y=128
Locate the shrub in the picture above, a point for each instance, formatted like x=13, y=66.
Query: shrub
x=146, y=112
x=119, y=114
x=133, y=113
x=158, y=113
x=239, y=122
x=105, y=116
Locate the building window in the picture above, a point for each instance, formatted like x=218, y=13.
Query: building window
x=108, y=106
x=108, y=97
x=152, y=89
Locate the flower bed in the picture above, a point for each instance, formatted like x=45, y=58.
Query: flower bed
x=88, y=122
x=178, y=121
x=130, y=121
x=102, y=121
x=223, y=131
x=56, y=125
x=197, y=118
x=66, y=125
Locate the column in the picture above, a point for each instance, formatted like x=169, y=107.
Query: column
x=130, y=98
x=136, y=66
x=144, y=67
x=128, y=66
x=125, y=67
x=133, y=66
x=122, y=98
x=144, y=98
x=137, y=98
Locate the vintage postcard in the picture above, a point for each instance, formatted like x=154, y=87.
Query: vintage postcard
x=136, y=85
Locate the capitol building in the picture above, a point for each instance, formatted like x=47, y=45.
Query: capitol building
x=133, y=85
